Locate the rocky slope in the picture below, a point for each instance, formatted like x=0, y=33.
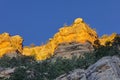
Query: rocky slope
x=107, y=68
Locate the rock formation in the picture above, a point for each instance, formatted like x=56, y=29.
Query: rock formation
x=10, y=44
x=78, y=32
x=73, y=40
x=106, y=38
x=68, y=50
x=107, y=68
x=6, y=72
x=78, y=74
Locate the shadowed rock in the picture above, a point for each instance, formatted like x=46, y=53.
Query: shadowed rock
x=107, y=68
x=78, y=74
x=5, y=72
x=68, y=50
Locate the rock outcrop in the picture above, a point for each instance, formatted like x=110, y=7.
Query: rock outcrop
x=6, y=72
x=79, y=31
x=78, y=74
x=107, y=68
x=10, y=44
x=107, y=38
x=68, y=50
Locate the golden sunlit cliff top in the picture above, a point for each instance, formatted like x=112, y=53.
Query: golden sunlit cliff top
x=10, y=44
x=79, y=31
x=107, y=38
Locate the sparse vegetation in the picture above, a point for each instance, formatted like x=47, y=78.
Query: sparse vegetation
x=50, y=69
x=15, y=62
x=29, y=69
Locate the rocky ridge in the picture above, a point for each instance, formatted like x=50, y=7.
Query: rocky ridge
x=79, y=32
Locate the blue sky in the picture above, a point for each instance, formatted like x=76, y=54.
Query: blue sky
x=38, y=20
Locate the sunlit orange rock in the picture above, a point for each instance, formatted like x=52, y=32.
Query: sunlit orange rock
x=107, y=38
x=79, y=31
x=9, y=44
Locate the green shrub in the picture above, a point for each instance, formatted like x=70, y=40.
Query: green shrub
x=15, y=62
x=29, y=69
x=49, y=69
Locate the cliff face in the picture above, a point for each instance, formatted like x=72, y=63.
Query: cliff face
x=10, y=44
x=79, y=32
x=68, y=50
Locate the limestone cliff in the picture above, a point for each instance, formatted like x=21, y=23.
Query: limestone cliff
x=10, y=44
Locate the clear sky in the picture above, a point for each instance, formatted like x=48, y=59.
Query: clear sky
x=38, y=20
